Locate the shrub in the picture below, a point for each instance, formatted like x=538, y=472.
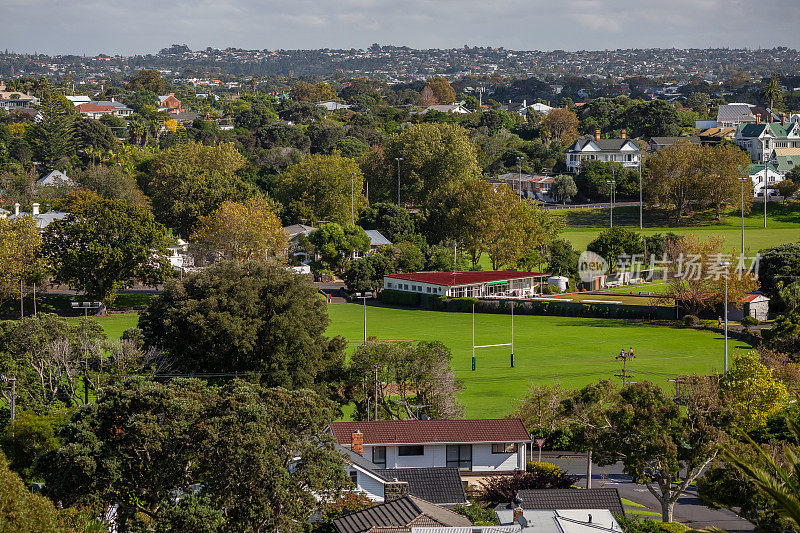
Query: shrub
x=691, y=320
x=502, y=489
x=478, y=515
x=537, y=467
x=749, y=321
x=464, y=304
x=393, y=297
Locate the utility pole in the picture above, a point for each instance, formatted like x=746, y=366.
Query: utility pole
x=589, y=469
x=725, y=307
x=376, y=392
x=611, y=183
x=519, y=177
x=398, y=159
x=353, y=198
x=624, y=374
x=640, y=191
x=766, y=191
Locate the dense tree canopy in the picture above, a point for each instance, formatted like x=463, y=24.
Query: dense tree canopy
x=246, y=317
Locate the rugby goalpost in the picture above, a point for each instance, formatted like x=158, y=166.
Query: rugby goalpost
x=477, y=346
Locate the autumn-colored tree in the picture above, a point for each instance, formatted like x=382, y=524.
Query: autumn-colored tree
x=427, y=97
x=755, y=393
x=670, y=180
x=322, y=187
x=697, y=275
x=562, y=125
x=442, y=90
x=312, y=92
x=242, y=231
x=20, y=242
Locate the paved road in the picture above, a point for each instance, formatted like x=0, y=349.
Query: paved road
x=688, y=508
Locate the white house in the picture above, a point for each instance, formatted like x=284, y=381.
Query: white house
x=760, y=139
x=530, y=186
x=79, y=99
x=757, y=174
x=554, y=521
x=731, y=115
x=475, y=447
x=623, y=151
x=441, y=486
x=477, y=284
x=13, y=100
x=458, y=109
x=333, y=106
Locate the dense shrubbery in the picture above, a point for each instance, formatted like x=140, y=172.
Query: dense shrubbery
x=503, y=489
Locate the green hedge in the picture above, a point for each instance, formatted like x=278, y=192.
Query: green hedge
x=393, y=297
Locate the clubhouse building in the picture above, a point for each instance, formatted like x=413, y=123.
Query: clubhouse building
x=498, y=283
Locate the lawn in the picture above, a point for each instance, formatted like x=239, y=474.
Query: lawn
x=570, y=351
x=783, y=225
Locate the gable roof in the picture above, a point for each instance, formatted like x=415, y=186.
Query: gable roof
x=56, y=177
x=95, y=108
x=440, y=485
x=740, y=112
x=571, y=499
x=673, y=140
x=296, y=229
x=432, y=431
x=400, y=514
x=755, y=169
x=376, y=238
x=604, y=145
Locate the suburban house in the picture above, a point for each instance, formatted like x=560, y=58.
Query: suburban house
x=621, y=150
x=376, y=240
x=548, y=499
x=79, y=99
x=716, y=135
x=56, y=178
x=97, y=109
x=13, y=100
x=784, y=159
x=169, y=103
x=531, y=186
x=659, y=143
x=441, y=486
x=757, y=174
x=179, y=257
x=736, y=114
x=760, y=139
x=472, y=283
x=449, y=108
x=475, y=447
x=295, y=233
x=42, y=219
x=333, y=106
x=400, y=515
x=588, y=520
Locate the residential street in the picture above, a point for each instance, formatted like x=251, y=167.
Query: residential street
x=688, y=508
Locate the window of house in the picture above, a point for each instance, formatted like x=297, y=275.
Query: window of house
x=354, y=477
x=460, y=456
x=504, y=447
x=408, y=451
x=379, y=456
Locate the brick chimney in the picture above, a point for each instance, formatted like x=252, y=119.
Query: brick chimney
x=517, y=514
x=596, y=135
x=16, y=209
x=783, y=119
x=624, y=134
x=758, y=118
x=357, y=442
x=35, y=208
x=394, y=490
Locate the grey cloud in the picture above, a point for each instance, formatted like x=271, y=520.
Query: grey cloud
x=117, y=26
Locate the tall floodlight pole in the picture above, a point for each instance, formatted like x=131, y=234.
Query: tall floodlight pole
x=398, y=159
x=364, y=297
x=611, y=214
x=742, y=180
x=725, y=303
x=519, y=177
x=640, y=190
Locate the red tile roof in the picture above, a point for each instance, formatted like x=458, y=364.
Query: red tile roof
x=464, y=278
x=750, y=297
x=432, y=431
x=89, y=108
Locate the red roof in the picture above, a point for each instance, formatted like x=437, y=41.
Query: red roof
x=450, y=279
x=432, y=431
x=88, y=108
x=750, y=297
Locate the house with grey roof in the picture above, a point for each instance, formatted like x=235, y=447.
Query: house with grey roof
x=333, y=106
x=457, y=109
x=622, y=150
x=731, y=115
x=56, y=178
x=399, y=516
x=760, y=139
x=441, y=486
x=42, y=219
x=548, y=499
x=659, y=143
x=559, y=521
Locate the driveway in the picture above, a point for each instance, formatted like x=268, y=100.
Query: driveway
x=688, y=508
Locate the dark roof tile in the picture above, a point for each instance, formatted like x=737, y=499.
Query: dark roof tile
x=441, y=486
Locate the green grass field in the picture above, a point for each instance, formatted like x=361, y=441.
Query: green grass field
x=783, y=225
x=570, y=351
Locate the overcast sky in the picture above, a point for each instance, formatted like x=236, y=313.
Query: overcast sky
x=146, y=26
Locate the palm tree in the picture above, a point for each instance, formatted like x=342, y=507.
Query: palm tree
x=777, y=483
x=772, y=91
